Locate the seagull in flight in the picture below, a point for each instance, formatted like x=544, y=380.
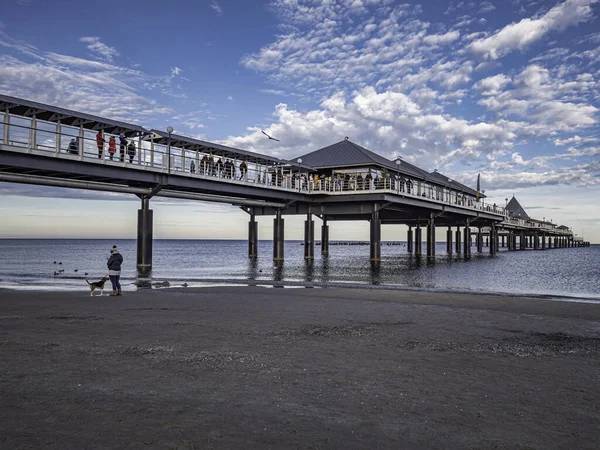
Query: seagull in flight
x=269, y=136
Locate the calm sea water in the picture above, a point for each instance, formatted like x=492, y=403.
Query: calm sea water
x=568, y=273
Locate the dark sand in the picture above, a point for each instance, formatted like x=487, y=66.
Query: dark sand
x=250, y=367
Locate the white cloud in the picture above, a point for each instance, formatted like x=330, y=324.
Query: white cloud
x=441, y=39
x=492, y=85
x=230, y=98
x=216, y=7
x=100, y=49
x=518, y=36
x=175, y=71
x=577, y=140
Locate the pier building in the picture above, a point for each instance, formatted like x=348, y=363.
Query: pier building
x=47, y=145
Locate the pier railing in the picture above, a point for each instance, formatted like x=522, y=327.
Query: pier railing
x=37, y=137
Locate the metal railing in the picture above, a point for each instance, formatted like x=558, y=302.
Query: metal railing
x=75, y=143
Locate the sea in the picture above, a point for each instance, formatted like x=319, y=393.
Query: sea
x=569, y=274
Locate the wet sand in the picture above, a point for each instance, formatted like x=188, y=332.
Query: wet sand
x=251, y=367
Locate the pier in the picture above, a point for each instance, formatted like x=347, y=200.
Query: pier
x=46, y=145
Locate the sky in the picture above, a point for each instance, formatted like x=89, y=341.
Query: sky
x=507, y=89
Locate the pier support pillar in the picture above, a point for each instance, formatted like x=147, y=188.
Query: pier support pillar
x=278, y=237
x=467, y=243
x=458, y=241
x=449, y=241
x=309, y=237
x=503, y=243
x=493, y=239
x=431, y=237
x=543, y=242
x=409, y=240
x=252, y=236
x=522, y=241
x=418, y=240
x=536, y=243
x=479, y=240
x=144, y=238
x=375, y=237
x=325, y=238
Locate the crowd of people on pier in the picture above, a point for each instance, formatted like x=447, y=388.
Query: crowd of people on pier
x=284, y=175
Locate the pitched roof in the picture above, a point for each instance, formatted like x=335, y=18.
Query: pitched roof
x=516, y=210
x=348, y=154
x=19, y=106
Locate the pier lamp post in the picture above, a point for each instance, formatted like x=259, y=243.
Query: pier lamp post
x=299, y=161
x=398, y=162
x=169, y=130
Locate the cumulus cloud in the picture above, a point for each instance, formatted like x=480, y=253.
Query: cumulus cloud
x=518, y=36
x=99, y=49
x=492, y=85
x=441, y=39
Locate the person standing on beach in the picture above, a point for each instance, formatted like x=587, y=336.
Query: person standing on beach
x=114, y=270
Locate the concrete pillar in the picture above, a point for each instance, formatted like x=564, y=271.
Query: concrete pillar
x=325, y=238
x=144, y=238
x=503, y=243
x=543, y=242
x=458, y=241
x=449, y=241
x=522, y=242
x=493, y=239
x=309, y=237
x=467, y=243
x=479, y=240
x=252, y=237
x=431, y=237
x=409, y=240
x=278, y=237
x=418, y=240
x=487, y=241
x=375, y=237
x=536, y=242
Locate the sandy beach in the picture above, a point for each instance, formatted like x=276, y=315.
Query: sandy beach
x=253, y=367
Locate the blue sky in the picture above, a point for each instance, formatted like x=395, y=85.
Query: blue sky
x=508, y=89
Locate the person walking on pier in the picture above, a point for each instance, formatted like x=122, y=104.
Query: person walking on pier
x=112, y=147
x=114, y=270
x=243, y=170
x=122, y=146
x=100, y=143
x=131, y=151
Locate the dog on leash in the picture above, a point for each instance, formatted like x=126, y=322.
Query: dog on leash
x=97, y=285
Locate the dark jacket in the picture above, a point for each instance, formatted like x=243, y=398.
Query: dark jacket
x=115, y=261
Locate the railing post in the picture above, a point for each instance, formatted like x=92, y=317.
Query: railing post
x=32, y=134
x=81, y=142
x=152, y=153
x=6, y=126
x=57, y=150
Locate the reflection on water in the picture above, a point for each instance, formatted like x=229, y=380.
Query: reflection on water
x=569, y=272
